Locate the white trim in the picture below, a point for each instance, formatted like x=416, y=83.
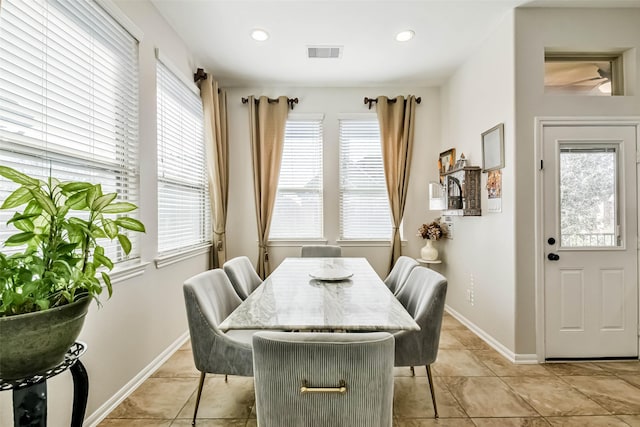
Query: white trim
x=367, y=243
x=187, y=80
x=357, y=116
x=300, y=117
x=105, y=409
x=295, y=243
x=116, y=13
x=127, y=271
x=539, y=124
x=495, y=344
x=168, y=259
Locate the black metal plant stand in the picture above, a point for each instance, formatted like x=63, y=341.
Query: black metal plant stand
x=30, y=394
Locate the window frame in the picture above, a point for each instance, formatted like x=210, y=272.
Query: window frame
x=168, y=256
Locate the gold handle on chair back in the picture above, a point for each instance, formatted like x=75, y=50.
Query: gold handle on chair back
x=342, y=388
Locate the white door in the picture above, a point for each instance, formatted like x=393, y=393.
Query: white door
x=590, y=241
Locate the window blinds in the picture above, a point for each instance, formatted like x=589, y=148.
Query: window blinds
x=364, y=204
x=68, y=99
x=183, y=196
x=297, y=213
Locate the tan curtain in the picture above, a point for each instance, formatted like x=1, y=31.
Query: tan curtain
x=397, y=123
x=214, y=103
x=268, y=121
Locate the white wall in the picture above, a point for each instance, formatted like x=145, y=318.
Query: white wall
x=241, y=225
x=146, y=314
x=477, y=97
x=589, y=30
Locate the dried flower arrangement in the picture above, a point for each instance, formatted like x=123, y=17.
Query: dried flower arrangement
x=435, y=230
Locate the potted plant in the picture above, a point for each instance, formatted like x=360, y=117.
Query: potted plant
x=435, y=230
x=46, y=286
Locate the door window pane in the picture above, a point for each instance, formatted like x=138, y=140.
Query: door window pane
x=588, y=197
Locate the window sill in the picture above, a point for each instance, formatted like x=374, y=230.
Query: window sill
x=367, y=243
x=296, y=243
x=173, y=257
x=127, y=271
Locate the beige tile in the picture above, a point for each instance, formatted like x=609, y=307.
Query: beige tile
x=448, y=323
x=430, y=422
x=632, y=420
x=203, y=422
x=180, y=365
x=614, y=394
x=448, y=341
x=585, y=368
x=633, y=379
x=405, y=371
x=160, y=398
x=551, y=396
x=487, y=397
x=412, y=399
x=233, y=399
x=130, y=422
x=505, y=368
x=470, y=340
x=459, y=363
x=511, y=422
x=594, y=421
x=626, y=368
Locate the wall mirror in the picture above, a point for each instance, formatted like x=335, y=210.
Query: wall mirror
x=493, y=148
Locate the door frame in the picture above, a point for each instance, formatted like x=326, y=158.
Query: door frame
x=540, y=124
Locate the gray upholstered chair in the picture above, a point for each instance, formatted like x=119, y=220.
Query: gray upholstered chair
x=399, y=273
x=209, y=299
x=298, y=379
x=423, y=295
x=242, y=275
x=321, y=251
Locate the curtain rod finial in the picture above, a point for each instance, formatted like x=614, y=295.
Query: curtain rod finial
x=199, y=75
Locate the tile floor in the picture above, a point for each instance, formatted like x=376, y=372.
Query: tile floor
x=475, y=386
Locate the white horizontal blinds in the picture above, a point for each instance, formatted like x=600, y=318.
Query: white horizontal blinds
x=297, y=213
x=364, y=204
x=184, y=213
x=69, y=98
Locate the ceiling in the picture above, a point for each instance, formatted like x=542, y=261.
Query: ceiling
x=446, y=32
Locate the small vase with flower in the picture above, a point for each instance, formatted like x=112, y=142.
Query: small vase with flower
x=432, y=231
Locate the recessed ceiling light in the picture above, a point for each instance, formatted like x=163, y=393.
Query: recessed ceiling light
x=405, y=36
x=259, y=35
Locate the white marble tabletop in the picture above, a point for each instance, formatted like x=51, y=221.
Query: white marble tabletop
x=290, y=299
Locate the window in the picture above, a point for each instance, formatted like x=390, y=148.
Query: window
x=583, y=74
x=69, y=99
x=364, y=204
x=297, y=213
x=183, y=194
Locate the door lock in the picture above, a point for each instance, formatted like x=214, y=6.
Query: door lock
x=553, y=257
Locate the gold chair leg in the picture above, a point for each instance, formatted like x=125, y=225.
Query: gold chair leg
x=433, y=394
x=413, y=372
x=195, y=411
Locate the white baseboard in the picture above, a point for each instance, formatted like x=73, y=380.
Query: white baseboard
x=104, y=410
x=495, y=344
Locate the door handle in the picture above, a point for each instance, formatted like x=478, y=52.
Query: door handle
x=553, y=257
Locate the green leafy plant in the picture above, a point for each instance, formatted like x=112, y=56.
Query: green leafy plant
x=62, y=259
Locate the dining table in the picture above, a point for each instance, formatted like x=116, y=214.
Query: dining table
x=324, y=295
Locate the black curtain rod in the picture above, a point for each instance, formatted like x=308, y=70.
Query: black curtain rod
x=290, y=101
x=370, y=101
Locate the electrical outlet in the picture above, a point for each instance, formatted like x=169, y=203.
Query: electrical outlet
x=471, y=290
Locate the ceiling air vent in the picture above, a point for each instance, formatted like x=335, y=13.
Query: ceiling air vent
x=324, y=51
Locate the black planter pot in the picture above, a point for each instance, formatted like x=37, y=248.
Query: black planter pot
x=35, y=342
